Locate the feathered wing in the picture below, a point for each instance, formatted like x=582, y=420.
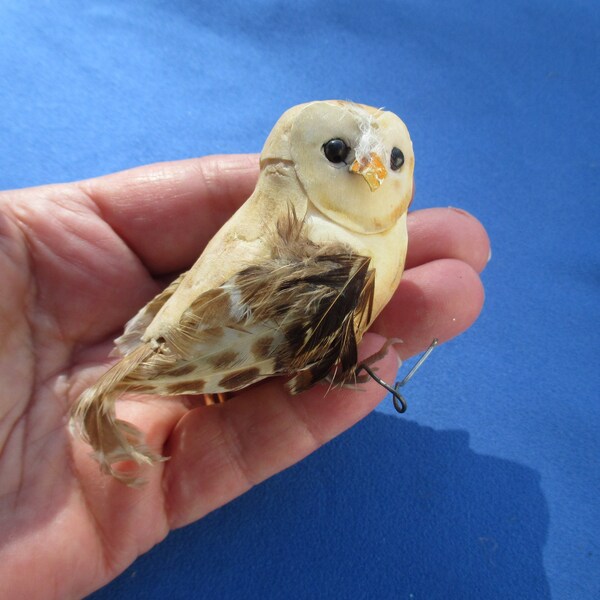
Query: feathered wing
x=302, y=313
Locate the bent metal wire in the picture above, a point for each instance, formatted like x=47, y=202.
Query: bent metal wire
x=398, y=399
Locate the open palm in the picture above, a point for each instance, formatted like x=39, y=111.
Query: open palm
x=78, y=260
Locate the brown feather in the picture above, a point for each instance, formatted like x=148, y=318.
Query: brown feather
x=112, y=439
x=301, y=313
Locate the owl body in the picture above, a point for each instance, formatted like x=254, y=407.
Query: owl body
x=230, y=249
x=289, y=284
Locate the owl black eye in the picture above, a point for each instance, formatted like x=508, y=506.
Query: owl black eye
x=336, y=150
x=396, y=159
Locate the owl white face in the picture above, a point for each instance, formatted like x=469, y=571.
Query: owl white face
x=355, y=162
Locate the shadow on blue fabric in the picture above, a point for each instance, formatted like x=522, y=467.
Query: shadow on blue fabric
x=436, y=521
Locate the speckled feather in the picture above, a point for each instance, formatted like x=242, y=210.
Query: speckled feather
x=301, y=313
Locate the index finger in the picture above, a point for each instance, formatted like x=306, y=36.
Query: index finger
x=167, y=212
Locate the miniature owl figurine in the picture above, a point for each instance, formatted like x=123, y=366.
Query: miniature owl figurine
x=288, y=286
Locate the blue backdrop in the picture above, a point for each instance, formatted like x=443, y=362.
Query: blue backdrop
x=489, y=487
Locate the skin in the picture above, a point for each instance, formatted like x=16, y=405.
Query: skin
x=77, y=260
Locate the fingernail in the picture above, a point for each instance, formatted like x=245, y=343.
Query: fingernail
x=460, y=211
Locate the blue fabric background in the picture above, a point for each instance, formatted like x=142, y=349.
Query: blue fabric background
x=489, y=486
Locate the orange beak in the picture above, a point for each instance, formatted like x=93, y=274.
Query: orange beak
x=372, y=169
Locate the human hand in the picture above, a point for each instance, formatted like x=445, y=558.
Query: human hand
x=76, y=261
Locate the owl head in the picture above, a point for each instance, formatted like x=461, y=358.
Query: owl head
x=354, y=162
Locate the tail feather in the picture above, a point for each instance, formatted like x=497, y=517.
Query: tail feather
x=93, y=417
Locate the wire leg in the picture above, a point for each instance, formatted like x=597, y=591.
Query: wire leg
x=398, y=399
